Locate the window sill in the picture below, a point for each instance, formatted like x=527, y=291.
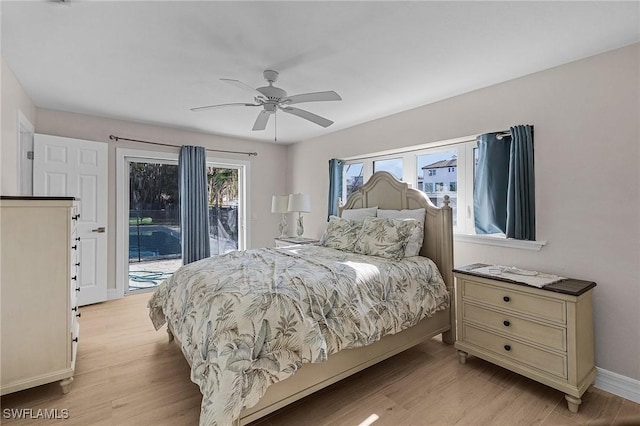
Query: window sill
x=499, y=241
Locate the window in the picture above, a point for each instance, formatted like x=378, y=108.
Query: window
x=353, y=178
x=427, y=164
x=391, y=165
x=438, y=172
x=455, y=180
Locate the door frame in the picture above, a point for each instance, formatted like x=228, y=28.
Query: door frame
x=123, y=157
x=24, y=135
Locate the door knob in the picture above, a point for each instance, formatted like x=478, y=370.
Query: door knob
x=100, y=229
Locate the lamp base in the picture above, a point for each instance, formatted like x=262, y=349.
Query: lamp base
x=300, y=228
x=282, y=227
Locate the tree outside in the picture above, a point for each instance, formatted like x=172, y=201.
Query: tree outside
x=154, y=216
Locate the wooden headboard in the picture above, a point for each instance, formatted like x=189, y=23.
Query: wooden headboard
x=386, y=192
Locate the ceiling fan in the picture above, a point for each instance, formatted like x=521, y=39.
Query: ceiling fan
x=272, y=99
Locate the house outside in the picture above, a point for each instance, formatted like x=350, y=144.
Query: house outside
x=440, y=179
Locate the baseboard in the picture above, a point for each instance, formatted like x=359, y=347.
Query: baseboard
x=618, y=384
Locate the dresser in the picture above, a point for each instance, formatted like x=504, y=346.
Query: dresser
x=545, y=334
x=38, y=283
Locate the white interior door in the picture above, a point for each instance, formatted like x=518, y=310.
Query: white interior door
x=78, y=168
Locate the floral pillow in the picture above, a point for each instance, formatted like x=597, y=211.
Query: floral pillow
x=341, y=234
x=385, y=237
x=417, y=237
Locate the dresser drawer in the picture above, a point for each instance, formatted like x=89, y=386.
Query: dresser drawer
x=528, y=356
x=540, y=307
x=546, y=335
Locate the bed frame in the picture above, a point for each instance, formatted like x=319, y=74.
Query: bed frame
x=385, y=192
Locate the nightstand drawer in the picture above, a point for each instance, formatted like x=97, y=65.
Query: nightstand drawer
x=549, y=336
x=527, y=355
x=505, y=298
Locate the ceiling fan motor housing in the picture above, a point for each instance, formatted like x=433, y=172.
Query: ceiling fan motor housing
x=272, y=93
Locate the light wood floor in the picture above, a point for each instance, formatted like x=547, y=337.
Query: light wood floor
x=128, y=374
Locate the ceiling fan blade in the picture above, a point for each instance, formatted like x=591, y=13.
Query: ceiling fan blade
x=243, y=86
x=261, y=121
x=312, y=97
x=321, y=121
x=204, y=108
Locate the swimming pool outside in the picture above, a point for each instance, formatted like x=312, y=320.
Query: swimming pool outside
x=157, y=255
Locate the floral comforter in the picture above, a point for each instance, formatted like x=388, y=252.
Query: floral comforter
x=249, y=319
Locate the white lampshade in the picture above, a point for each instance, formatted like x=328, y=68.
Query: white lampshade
x=279, y=203
x=299, y=203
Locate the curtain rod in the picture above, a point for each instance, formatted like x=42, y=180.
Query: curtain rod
x=502, y=133
x=118, y=138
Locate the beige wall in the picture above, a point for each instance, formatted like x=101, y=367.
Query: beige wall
x=267, y=170
x=587, y=156
x=14, y=99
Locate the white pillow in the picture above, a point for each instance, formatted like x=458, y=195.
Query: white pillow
x=414, y=244
x=358, y=215
x=417, y=214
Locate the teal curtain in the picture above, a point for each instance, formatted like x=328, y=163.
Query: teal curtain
x=194, y=206
x=504, y=187
x=521, y=202
x=491, y=183
x=336, y=168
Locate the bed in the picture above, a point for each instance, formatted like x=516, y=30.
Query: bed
x=251, y=363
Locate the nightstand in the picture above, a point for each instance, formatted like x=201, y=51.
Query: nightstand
x=545, y=334
x=294, y=241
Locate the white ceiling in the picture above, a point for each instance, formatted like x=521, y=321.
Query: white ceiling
x=151, y=61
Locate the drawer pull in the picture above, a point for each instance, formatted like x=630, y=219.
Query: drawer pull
x=506, y=298
x=75, y=247
x=77, y=238
x=507, y=348
x=76, y=217
x=75, y=339
x=75, y=308
x=78, y=289
x=78, y=264
x=79, y=314
x=74, y=278
x=506, y=323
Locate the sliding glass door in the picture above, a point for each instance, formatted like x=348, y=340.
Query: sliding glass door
x=224, y=204
x=154, y=222
x=153, y=215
